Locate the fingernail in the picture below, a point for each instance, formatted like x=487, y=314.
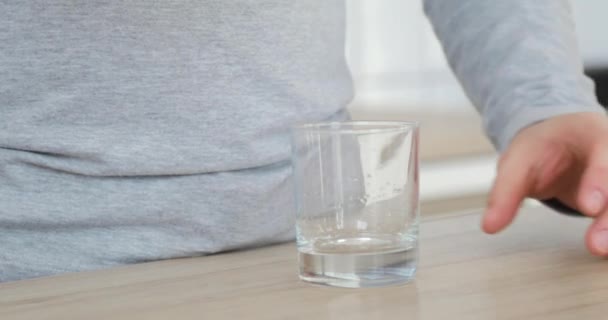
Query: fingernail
x=488, y=225
x=595, y=202
x=600, y=241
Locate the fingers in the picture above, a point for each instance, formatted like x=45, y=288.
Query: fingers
x=597, y=236
x=592, y=199
x=513, y=183
x=593, y=192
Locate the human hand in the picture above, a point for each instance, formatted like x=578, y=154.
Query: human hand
x=565, y=158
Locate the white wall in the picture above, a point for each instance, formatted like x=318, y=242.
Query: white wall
x=396, y=60
x=592, y=25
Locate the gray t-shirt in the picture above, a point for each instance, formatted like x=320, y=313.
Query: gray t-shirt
x=141, y=130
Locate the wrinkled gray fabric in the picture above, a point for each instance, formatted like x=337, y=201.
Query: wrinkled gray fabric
x=517, y=60
x=143, y=130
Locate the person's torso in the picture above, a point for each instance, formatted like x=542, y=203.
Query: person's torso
x=167, y=87
x=142, y=130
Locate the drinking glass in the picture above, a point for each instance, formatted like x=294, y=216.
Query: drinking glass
x=356, y=194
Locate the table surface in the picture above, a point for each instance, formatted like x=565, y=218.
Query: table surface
x=537, y=269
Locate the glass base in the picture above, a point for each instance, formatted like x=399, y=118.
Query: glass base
x=359, y=270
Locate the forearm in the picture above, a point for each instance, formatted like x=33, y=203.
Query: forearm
x=517, y=60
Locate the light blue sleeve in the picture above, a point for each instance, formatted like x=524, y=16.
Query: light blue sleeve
x=517, y=60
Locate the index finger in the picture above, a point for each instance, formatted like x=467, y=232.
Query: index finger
x=513, y=183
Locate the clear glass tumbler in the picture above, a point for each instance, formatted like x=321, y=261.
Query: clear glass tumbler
x=356, y=189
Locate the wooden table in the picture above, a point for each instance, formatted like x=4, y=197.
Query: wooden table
x=538, y=269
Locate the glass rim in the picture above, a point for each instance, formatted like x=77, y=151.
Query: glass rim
x=356, y=126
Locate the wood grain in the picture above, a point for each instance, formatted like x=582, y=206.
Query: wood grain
x=538, y=269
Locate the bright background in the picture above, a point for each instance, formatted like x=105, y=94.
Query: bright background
x=400, y=73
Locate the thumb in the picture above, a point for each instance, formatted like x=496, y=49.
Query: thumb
x=514, y=181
